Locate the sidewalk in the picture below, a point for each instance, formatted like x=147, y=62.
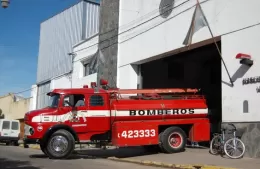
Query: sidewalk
x=200, y=157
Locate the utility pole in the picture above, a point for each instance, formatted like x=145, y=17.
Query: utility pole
x=5, y=3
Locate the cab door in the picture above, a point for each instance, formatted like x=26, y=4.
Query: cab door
x=98, y=112
x=75, y=110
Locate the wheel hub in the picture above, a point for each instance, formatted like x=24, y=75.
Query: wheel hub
x=59, y=144
x=175, y=140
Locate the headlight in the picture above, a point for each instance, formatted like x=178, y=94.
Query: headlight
x=31, y=130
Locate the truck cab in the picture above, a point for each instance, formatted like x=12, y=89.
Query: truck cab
x=82, y=114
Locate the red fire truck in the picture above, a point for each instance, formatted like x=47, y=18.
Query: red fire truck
x=163, y=118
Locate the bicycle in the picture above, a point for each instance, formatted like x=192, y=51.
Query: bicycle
x=220, y=145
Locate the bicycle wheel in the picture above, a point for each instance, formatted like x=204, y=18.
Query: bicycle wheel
x=234, y=148
x=215, y=145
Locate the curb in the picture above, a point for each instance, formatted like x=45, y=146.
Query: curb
x=166, y=165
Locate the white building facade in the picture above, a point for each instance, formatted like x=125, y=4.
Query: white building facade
x=145, y=34
x=81, y=74
x=84, y=52
x=58, y=35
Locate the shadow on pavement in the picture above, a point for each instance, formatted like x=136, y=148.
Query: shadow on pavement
x=100, y=153
x=123, y=152
x=11, y=164
x=72, y=157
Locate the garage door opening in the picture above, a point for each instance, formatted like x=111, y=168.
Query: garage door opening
x=198, y=68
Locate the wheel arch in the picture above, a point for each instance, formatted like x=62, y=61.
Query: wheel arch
x=185, y=127
x=57, y=127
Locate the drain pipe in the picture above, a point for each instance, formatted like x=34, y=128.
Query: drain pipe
x=73, y=55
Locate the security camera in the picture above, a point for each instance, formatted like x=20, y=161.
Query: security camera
x=5, y=3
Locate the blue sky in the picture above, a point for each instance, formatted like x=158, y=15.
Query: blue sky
x=19, y=40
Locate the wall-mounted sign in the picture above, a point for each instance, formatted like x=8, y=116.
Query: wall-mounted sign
x=245, y=59
x=251, y=80
x=243, y=56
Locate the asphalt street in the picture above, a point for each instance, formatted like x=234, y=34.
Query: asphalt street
x=20, y=158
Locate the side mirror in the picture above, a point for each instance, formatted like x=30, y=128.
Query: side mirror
x=67, y=102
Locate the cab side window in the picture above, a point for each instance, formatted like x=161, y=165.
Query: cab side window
x=76, y=100
x=96, y=100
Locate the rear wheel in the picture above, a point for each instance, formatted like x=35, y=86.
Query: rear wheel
x=215, y=145
x=156, y=148
x=60, y=145
x=173, y=140
x=160, y=143
x=234, y=148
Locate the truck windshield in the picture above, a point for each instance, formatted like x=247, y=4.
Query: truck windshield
x=54, y=100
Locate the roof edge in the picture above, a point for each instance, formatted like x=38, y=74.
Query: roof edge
x=79, y=1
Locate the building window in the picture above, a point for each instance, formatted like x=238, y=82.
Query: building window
x=96, y=100
x=245, y=106
x=86, y=69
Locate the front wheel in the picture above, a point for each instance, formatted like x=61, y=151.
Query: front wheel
x=60, y=145
x=43, y=148
x=215, y=145
x=234, y=148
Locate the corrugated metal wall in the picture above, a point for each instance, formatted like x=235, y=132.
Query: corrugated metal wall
x=59, y=33
x=42, y=98
x=90, y=16
x=57, y=37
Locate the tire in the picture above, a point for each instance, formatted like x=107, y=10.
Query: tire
x=167, y=137
x=212, y=150
x=16, y=143
x=160, y=142
x=61, y=138
x=43, y=148
x=230, y=142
